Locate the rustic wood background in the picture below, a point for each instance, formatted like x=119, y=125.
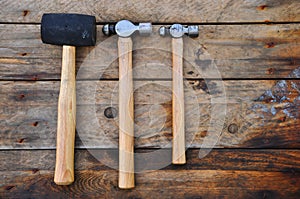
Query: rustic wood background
x=255, y=45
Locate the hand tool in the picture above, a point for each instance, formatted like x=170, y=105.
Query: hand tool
x=68, y=30
x=124, y=29
x=177, y=31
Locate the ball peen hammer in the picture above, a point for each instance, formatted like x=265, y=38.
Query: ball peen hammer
x=125, y=29
x=68, y=30
x=177, y=31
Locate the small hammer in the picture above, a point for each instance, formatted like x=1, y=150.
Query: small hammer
x=69, y=30
x=177, y=31
x=124, y=29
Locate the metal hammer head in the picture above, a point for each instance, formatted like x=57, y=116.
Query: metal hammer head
x=68, y=29
x=126, y=28
x=178, y=30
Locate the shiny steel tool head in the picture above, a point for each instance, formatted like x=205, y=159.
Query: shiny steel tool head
x=178, y=30
x=125, y=28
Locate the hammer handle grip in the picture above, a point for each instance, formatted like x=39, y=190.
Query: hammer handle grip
x=178, y=152
x=126, y=115
x=64, y=168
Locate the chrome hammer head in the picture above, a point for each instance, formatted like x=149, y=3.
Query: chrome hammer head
x=178, y=30
x=126, y=28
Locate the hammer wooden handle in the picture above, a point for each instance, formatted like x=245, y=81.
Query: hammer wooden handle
x=126, y=115
x=178, y=153
x=64, y=168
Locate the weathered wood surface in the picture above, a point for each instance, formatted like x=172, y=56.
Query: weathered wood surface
x=223, y=173
x=157, y=184
x=227, y=51
x=262, y=113
x=169, y=11
x=259, y=113
x=100, y=159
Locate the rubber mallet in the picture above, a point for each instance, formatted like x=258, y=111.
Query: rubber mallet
x=177, y=31
x=68, y=30
x=124, y=29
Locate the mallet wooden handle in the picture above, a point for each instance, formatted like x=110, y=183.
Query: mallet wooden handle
x=64, y=168
x=178, y=153
x=126, y=115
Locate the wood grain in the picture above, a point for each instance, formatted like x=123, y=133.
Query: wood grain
x=227, y=51
x=258, y=58
x=66, y=120
x=273, y=160
x=34, y=93
x=178, y=113
x=264, y=173
x=157, y=11
x=166, y=183
x=259, y=113
x=126, y=115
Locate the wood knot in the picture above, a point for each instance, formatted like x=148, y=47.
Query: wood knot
x=25, y=13
x=9, y=187
x=203, y=134
x=34, y=171
x=233, y=128
x=270, y=45
x=21, y=96
x=21, y=140
x=110, y=112
x=270, y=71
x=35, y=123
x=262, y=7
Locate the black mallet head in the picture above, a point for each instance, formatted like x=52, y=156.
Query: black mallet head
x=68, y=29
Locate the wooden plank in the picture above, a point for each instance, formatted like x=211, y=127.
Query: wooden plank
x=157, y=184
x=157, y=11
x=222, y=173
x=23, y=171
x=227, y=51
x=30, y=93
x=107, y=159
x=259, y=113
